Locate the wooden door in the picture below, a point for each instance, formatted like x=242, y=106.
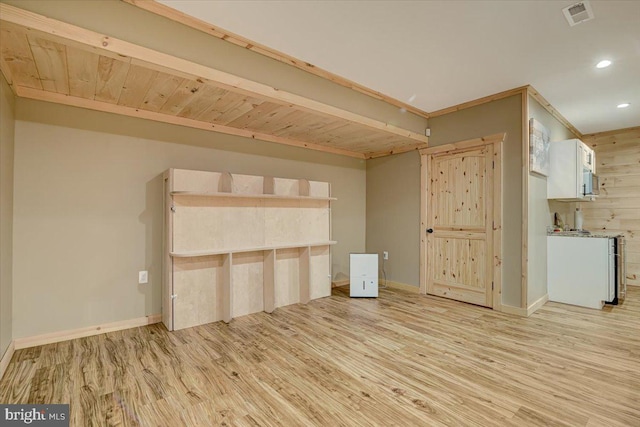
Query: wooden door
x=459, y=223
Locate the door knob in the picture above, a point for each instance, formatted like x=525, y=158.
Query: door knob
x=429, y=230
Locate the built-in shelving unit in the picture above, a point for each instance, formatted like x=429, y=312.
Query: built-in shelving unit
x=238, y=244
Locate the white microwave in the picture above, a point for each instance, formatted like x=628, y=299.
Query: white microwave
x=591, y=185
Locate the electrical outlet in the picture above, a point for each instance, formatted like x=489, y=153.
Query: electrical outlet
x=385, y=255
x=143, y=277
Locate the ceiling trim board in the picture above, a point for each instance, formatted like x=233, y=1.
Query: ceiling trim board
x=197, y=24
x=611, y=132
x=532, y=92
x=479, y=101
x=187, y=69
x=384, y=153
x=41, y=95
x=528, y=90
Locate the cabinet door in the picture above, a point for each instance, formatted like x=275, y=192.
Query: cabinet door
x=612, y=270
x=578, y=270
x=582, y=158
x=588, y=158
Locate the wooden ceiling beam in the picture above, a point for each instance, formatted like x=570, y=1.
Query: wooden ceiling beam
x=186, y=69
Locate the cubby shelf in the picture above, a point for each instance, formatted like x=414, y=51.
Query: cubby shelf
x=191, y=254
x=239, y=244
x=250, y=196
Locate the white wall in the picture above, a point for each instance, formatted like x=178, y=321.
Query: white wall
x=88, y=208
x=7, y=120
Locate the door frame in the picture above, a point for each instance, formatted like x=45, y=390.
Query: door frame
x=497, y=141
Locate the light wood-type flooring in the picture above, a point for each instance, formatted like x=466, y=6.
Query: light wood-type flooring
x=399, y=360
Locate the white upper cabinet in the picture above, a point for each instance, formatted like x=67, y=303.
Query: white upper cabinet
x=572, y=166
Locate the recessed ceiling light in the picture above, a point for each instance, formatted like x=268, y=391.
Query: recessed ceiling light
x=623, y=105
x=603, y=64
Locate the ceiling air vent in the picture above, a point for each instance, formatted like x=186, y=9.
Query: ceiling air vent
x=577, y=13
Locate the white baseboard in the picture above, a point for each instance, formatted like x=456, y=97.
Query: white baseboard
x=401, y=286
x=6, y=358
x=88, y=331
x=537, y=304
x=525, y=312
x=516, y=311
x=390, y=284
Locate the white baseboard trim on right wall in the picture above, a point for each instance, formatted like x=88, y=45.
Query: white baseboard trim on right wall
x=516, y=311
x=537, y=304
x=525, y=312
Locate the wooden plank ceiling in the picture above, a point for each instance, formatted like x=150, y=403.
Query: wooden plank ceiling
x=53, y=61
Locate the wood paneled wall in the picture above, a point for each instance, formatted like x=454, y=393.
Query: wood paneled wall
x=618, y=207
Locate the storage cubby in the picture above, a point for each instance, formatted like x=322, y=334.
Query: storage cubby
x=239, y=244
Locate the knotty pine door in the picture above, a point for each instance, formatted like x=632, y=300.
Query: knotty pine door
x=459, y=222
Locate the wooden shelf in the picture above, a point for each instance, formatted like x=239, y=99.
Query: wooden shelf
x=53, y=61
x=231, y=252
x=191, y=254
x=250, y=196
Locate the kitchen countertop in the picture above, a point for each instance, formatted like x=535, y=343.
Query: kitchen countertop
x=600, y=235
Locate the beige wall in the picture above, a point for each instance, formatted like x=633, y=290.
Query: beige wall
x=87, y=214
x=393, y=193
x=504, y=115
x=121, y=20
x=393, y=214
x=88, y=208
x=7, y=122
x=541, y=211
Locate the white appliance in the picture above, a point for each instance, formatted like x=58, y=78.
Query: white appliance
x=363, y=275
x=581, y=270
x=572, y=168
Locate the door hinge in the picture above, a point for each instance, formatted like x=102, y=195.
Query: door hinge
x=173, y=209
x=491, y=285
x=493, y=164
x=174, y=296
